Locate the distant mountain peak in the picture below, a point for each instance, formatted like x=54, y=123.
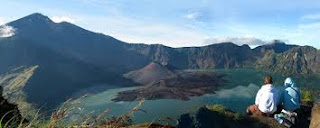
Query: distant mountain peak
x=154, y=71
x=35, y=18
x=153, y=65
x=36, y=15
x=277, y=46
x=277, y=42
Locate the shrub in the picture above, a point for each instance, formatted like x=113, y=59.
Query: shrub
x=307, y=96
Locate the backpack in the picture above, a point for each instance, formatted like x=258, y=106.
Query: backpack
x=286, y=118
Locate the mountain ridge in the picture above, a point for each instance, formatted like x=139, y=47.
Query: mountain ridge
x=71, y=58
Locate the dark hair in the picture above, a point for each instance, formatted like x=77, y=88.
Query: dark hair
x=267, y=79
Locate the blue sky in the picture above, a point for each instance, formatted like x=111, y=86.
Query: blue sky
x=180, y=23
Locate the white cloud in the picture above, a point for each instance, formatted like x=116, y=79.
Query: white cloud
x=137, y=31
x=6, y=31
x=192, y=16
x=163, y=34
x=315, y=25
x=59, y=19
x=311, y=17
x=237, y=40
x=2, y=21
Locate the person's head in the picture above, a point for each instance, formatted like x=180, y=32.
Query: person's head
x=267, y=79
x=289, y=82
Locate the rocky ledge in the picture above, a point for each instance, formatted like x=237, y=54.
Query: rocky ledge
x=217, y=116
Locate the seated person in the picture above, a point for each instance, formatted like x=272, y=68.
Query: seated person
x=266, y=101
x=290, y=96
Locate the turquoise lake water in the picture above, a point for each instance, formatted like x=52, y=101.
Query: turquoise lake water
x=237, y=94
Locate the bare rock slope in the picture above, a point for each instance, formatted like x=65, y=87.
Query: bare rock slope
x=162, y=83
x=150, y=73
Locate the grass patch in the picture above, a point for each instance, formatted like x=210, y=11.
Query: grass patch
x=307, y=96
x=60, y=116
x=224, y=111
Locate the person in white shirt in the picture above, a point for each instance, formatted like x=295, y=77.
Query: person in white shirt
x=267, y=99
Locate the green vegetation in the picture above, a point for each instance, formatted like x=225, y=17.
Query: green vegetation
x=307, y=96
x=60, y=116
x=14, y=121
x=14, y=82
x=224, y=111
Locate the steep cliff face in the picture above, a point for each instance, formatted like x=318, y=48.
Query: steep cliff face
x=274, y=57
x=161, y=54
x=224, y=55
x=298, y=60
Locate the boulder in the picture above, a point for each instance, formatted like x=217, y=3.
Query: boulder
x=315, y=116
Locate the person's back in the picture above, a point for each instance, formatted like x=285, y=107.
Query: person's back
x=290, y=95
x=267, y=99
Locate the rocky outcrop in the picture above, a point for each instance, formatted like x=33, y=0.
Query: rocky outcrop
x=217, y=116
x=315, y=116
x=183, y=86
